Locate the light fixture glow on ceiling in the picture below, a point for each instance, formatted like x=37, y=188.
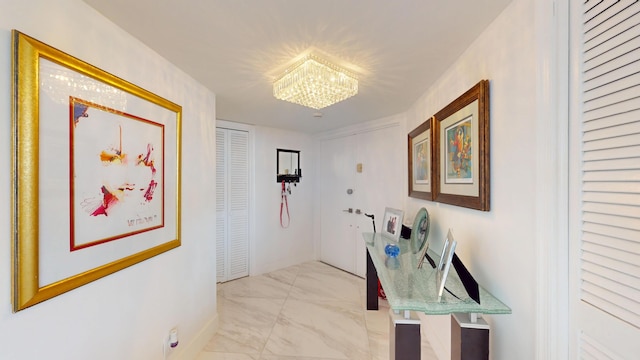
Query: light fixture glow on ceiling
x=316, y=83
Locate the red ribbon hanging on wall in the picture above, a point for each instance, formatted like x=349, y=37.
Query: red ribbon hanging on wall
x=284, y=204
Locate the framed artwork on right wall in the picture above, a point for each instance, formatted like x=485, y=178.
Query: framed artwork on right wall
x=461, y=146
x=420, y=151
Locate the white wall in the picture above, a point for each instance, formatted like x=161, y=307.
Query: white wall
x=125, y=315
x=274, y=247
x=498, y=246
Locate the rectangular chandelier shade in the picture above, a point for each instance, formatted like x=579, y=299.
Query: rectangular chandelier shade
x=316, y=83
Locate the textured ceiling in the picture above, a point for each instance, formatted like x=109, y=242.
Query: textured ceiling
x=236, y=47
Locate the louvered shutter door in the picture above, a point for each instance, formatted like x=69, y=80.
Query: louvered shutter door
x=609, y=258
x=238, y=204
x=232, y=204
x=221, y=205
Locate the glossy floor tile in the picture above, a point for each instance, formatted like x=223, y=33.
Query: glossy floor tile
x=310, y=311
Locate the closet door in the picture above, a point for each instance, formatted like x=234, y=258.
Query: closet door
x=605, y=216
x=232, y=204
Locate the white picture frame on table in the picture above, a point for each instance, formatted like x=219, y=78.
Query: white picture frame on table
x=392, y=223
x=444, y=265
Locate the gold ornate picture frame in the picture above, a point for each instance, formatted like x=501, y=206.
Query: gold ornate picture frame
x=96, y=173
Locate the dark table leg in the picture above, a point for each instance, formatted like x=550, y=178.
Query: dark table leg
x=469, y=340
x=372, y=284
x=404, y=337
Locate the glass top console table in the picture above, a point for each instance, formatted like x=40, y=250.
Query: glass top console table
x=408, y=288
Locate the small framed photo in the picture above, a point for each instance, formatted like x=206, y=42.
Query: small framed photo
x=442, y=271
x=392, y=223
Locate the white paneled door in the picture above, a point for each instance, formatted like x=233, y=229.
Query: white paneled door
x=337, y=207
x=232, y=204
x=362, y=174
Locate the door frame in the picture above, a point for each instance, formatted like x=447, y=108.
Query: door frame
x=223, y=124
x=552, y=179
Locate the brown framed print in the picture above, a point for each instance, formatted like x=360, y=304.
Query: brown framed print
x=96, y=173
x=462, y=175
x=420, y=156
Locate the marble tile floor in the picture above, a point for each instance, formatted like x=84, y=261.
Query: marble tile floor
x=310, y=311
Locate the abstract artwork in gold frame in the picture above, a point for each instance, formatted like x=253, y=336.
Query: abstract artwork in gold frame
x=80, y=214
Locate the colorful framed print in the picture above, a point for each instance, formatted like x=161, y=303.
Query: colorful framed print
x=96, y=173
x=462, y=151
x=458, y=159
x=392, y=223
x=420, y=151
x=117, y=174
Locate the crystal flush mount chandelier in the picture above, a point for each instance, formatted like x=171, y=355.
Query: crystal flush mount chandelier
x=316, y=83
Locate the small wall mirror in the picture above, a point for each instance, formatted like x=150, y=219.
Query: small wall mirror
x=288, y=165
